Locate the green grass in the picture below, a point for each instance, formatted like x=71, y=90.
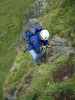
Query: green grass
x=41, y=82
x=59, y=18
x=11, y=17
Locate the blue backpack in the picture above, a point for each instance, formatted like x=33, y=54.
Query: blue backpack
x=32, y=27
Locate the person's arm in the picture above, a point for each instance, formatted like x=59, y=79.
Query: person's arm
x=44, y=42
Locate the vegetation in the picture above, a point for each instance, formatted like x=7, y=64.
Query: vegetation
x=33, y=82
x=11, y=16
x=40, y=82
x=60, y=20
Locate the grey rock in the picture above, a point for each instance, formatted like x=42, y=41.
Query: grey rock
x=60, y=47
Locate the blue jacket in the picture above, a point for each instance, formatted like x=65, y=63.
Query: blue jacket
x=34, y=41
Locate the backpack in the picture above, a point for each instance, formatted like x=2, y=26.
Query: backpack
x=32, y=27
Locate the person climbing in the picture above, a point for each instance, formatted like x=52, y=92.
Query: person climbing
x=36, y=38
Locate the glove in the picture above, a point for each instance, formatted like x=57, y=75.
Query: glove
x=44, y=49
x=49, y=46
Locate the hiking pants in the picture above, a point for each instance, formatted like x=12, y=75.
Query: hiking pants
x=35, y=56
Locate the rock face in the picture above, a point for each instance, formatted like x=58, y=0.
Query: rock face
x=59, y=47
x=39, y=7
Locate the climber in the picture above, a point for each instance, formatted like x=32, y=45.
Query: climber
x=36, y=39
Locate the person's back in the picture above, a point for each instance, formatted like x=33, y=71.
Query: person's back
x=33, y=29
x=34, y=41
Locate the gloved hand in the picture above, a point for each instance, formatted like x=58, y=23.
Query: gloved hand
x=49, y=46
x=44, y=49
